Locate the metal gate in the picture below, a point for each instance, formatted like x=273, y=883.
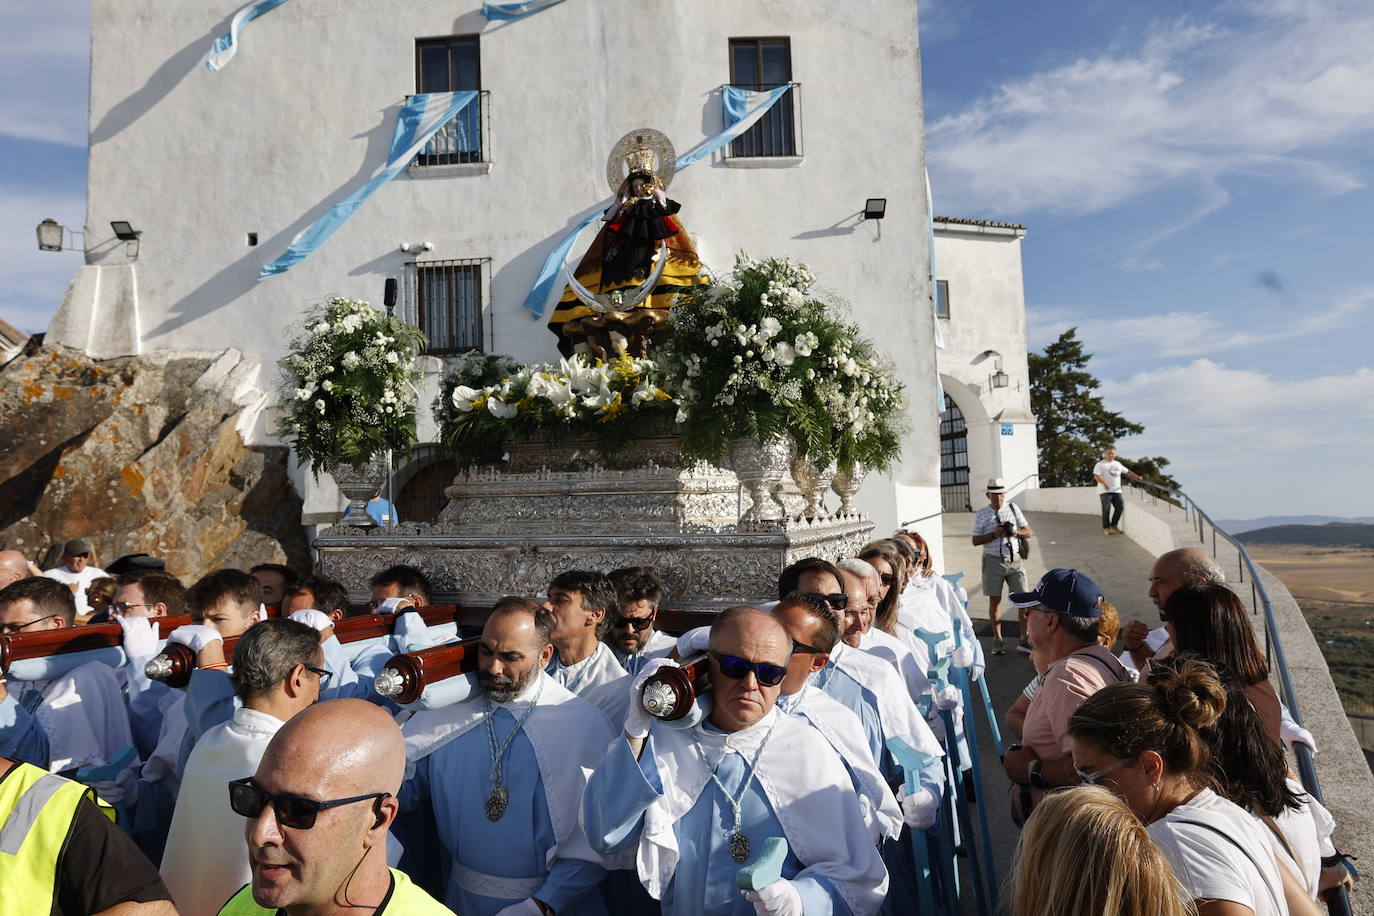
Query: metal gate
x=954, y=495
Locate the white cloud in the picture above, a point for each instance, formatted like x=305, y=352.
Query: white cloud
x=32, y=281
x=1190, y=333
x=1271, y=90
x=45, y=53
x=1243, y=441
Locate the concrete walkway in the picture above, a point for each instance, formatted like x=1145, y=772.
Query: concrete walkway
x=1116, y=563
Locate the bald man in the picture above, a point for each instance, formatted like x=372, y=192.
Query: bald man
x=13, y=567
x=698, y=803
x=318, y=811
x=1171, y=571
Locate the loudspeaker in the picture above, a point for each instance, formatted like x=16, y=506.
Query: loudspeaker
x=389, y=294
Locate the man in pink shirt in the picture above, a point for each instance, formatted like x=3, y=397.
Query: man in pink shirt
x=1062, y=614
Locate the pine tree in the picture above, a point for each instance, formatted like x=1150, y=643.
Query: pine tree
x=1072, y=424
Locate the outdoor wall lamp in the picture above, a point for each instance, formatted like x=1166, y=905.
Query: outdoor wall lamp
x=52, y=236
x=126, y=233
x=875, y=208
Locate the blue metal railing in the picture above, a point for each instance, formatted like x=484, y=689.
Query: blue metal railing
x=1337, y=901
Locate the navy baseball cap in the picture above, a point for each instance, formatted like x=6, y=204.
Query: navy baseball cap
x=1065, y=591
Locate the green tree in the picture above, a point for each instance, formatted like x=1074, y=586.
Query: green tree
x=1072, y=424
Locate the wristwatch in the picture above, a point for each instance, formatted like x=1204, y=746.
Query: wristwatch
x=1035, y=774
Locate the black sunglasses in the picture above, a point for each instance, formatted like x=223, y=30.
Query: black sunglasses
x=247, y=799
x=838, y=601
x=323, y=675
x=887, y=578
x=634, y=623
x=798, y=646
x=737, y=669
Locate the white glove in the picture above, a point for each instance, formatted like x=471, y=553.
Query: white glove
x=390, y=605
x=313, y=618
x=781, y=898
x=694, y=642
x=195, y=636
x=919, y=810
x=963, y=657
x=140, y=639
x=1292, y=732
x=526, y=907
x=948, y=697
x=976, y=673
x=637, y=719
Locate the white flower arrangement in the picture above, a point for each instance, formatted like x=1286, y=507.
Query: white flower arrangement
x=348, y=385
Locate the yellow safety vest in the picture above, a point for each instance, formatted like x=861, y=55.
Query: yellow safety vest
x=36, y=811
x=406, y=900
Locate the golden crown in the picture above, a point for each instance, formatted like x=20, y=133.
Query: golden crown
x=641, y=159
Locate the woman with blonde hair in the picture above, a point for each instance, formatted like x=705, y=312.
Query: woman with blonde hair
x=1084, y=853
x=884, y=557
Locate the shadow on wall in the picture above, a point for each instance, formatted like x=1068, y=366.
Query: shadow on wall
x=242, y=274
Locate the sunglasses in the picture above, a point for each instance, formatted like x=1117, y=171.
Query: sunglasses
x=838, y=601
x=887, y=578
x=1092, y=778
x=737, y=669
x=798, y=646
x=247, y=799
x=322, y=674
x=634, y=623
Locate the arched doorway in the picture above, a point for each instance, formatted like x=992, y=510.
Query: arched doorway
x=420, y=497
x=954, y=494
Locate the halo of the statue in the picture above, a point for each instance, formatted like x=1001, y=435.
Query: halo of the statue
x=628, y=300
x=641, y=137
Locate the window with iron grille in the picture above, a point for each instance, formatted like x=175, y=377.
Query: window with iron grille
x=762, y=64
x=453, y=64
x=941, y=298
x=447, y=300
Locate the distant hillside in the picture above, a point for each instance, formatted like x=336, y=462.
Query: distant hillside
x=1239, y=525
x=1332, y=534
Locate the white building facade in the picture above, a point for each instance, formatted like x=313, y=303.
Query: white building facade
x=218, y=171
x=987, y=429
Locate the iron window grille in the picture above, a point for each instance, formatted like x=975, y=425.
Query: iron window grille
x=448, y=300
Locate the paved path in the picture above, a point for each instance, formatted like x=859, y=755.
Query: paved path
x=1115, y=563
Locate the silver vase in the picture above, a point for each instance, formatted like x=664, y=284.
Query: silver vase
x=359, y=482
x=845, y=484
x=813, y=482
x=761, y=470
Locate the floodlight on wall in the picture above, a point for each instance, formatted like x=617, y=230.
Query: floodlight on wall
x=875, y=208
x=418, y=247
x=126, y=233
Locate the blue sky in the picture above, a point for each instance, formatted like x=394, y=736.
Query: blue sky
x=1195, y=179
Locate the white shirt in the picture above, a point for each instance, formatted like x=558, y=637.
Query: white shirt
x=206, y=859
x=988, y=522
x=1235, y=864
x=601, y=667
x=1111, y=472
x=1299, y=829
x=77, y=582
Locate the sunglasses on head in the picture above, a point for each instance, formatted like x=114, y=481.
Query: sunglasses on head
x=248, y=799
x=737, y=669
x=838, y=601
x=634, y=623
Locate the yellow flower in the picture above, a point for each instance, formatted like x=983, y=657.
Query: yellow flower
x=524, y=403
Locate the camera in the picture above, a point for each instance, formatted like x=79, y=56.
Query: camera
x=1008, y=529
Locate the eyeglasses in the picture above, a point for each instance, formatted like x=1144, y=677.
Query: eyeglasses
x=247, y=799
x=20, y=627
x=322, y=674
x=803, y=647
x=887, y=578
x=634, y=623
x=1093, y=777
x=737, y=669
x=839, y=601
x=123, y=607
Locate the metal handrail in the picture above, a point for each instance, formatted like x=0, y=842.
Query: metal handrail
x=1338, y=902
x=1026, y=479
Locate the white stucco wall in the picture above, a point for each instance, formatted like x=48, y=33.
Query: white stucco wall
x=304, y=114
x=987, y=311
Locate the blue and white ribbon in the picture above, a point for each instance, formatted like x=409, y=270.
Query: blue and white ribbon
x=226, y=46
x=516, y=10
x=416, y=122
x=744, y=118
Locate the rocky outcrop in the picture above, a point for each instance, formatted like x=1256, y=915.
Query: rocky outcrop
x=143, y=454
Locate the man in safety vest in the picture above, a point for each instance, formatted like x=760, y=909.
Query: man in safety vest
x=61, y=853
x=318, y=811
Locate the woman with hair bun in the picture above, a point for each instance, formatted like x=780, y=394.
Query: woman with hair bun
x=1145, y=744
x=1103, y=861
